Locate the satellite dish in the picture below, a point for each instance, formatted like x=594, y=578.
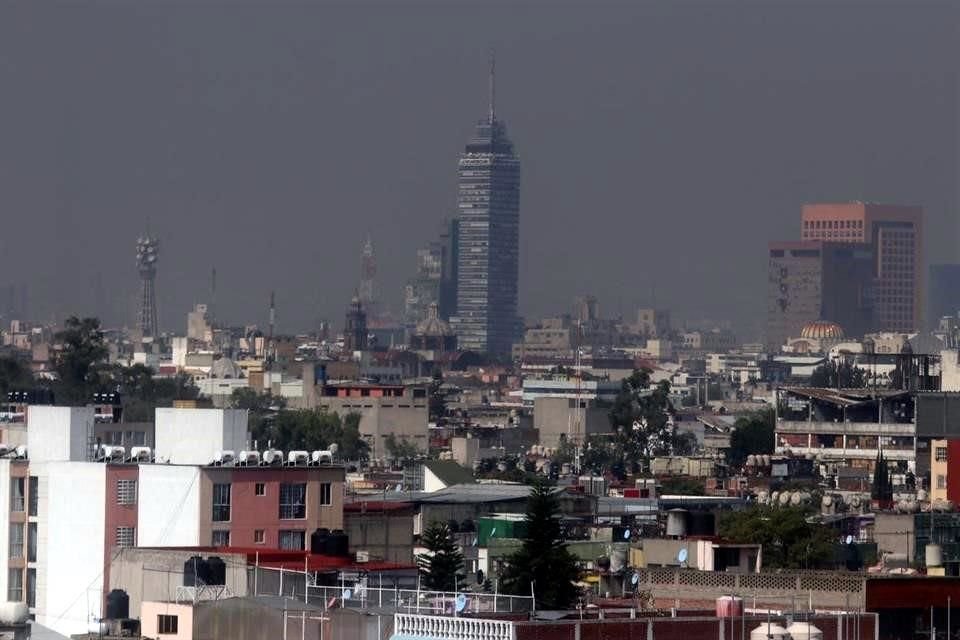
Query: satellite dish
x=634, y=579
x=682, y=555
x=347, y=594
x=461, y=603
x=849, y=539
x=626, y=534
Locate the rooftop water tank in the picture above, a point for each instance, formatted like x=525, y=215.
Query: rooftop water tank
x=118, y=605
x=933, y=555
x=13, y=612
x=217, y=571
x=804, y=631
x=677, y=522
x=729, y=607
x=769, y=631
x=318, y=541
x=297, y=457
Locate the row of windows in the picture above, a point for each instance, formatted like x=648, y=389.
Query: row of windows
x=15, y=586
x=833, y=224
x=292, y=499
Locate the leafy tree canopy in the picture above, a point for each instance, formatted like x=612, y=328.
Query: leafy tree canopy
x=81, y=352
x=751, y=435
x=788, y=539
x=838, y=376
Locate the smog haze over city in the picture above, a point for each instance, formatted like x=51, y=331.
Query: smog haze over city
x=663, y=144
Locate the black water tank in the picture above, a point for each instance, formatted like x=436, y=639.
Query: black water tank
x=195, y=572
x=338, y=544
x=118, y=605
x=217, y=570
x=319, y=540
x=701, y=523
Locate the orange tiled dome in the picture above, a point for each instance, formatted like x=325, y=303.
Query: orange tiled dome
x=822, y=330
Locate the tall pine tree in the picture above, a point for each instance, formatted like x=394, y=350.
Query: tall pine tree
x=544, y=559
x=443, y=562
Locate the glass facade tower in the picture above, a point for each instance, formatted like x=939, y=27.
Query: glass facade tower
x=488, y=243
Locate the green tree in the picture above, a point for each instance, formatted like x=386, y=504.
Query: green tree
x=314, y=429
x=640, y=416
x=261, y=409
x=685, y=443
x=400, y=449
x=81, y=351
x=751, y=435
x=788, y=539
x=441, y=567
x=544, y=560
x=838, y=376
x=682, y=486
x=14, y=376
x=141, y=392
x=882, y=487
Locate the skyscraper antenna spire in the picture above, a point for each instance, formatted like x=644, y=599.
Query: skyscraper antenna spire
x=493, y=86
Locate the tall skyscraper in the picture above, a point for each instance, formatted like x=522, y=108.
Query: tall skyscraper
x=943, y=293
x=813, y=280
x=896, y=235
x=147, y=249
x=488, y=243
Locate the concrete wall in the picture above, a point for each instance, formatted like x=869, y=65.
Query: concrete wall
x=149, y=612
x=192, y=436
x=554, y=417
x=57, y=434
x=384, y=535
x=168, y=506
x=154, y=574
x=70, y=527
x=894, y=533
x=404, y=417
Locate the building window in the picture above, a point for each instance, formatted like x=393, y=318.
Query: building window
x=31, y=587
x=16, y=540
x=260, y=489
x=293, y=501
x=126, y=492
x=126, y=537
x=31, y=542
x=221, y=502
x=34, y=494
x=166, y=625
x=941, y=481
x=258, y=536
x=291, y=540
x=17, y=494
x=221, y=539
x=15, y=585
x=941, y=454
x=326, y=494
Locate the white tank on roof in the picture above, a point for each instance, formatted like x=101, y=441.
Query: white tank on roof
x=249, y=458
x=323, y=457
x=141, y=454
x=223, y=457
x=272, y=456
x=111, y=452
x=21, y=451
x=297, y=457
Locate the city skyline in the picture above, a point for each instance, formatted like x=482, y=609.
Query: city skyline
x=657, y=171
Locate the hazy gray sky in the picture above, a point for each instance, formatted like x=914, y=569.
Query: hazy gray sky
x=662, y=142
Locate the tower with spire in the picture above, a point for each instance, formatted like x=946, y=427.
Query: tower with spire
x=147, y=250
x=488, y=244
x=368, y=272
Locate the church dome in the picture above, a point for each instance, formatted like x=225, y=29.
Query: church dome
x=433, y=325
x=822, y=330
x=225, y=368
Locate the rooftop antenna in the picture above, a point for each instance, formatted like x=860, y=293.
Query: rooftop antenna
x=493, y=87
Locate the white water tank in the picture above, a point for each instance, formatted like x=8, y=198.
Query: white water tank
x=272, y=456
x=21, y=451
x=223, y=457
x=804, y=631
x=140, y=454
x=769, y=631
x=13, y=612
x=251, y=458
x=677, y=522
x=326, y=457
x=933, y=555
x=297, y=457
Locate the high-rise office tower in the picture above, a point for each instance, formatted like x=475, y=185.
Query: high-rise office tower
x=896, y=234
x=943, y=293
x=488, y=244
x=147, y=249
x=813, y=280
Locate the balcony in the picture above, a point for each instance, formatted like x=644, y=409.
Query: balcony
x=448, y=628
x=906, y=429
